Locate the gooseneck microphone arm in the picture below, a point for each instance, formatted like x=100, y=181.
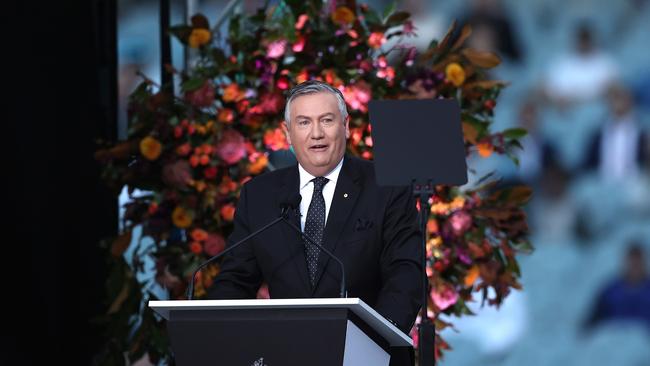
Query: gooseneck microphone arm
x=283, y=213
x=293, y=206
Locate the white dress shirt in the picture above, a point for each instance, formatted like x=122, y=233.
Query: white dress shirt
x=307, y=191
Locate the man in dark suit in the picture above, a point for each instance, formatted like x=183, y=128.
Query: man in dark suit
x=372, y=229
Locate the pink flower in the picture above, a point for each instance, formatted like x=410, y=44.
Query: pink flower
x=203, y=96
x=460, y=221
x=302, y=19
x=276, y=49
x=376, y=39
x=177, y=174
x=358, y=95
x=444, y=296
x=409, y=29
x=231, y=148
x=299, y=45
x=214, y=244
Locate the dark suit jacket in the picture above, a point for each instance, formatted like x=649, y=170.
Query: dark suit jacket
x=374, y=231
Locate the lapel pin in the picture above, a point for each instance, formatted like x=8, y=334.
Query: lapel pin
x=345, y=195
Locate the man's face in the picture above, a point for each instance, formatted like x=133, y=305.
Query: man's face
x=317, y=132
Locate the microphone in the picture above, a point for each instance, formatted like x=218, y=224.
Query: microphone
x=285, y=208
x=292, y=205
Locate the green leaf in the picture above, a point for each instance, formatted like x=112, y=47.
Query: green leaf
x=515, y=133
x=192, y=84
x=397, y=18
x=390, y=9
x=372, y=20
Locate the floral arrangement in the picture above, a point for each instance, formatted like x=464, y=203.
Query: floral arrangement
x=194, y=150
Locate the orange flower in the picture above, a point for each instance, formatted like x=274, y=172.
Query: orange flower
x=150, y=148
x=455, y=73
x=472, y=275
x=259, y=164
x=182, y=218
x=199, y=234
x=196, y=247
x=207, y=149
x=231, y=93
x=484, y=149
x=227, y=185
x=432, y=226
x=200, y=186
x=343, y=15
x=226, y=115
x=199, y=37
x=302, y=76
x=276, y=140
x=227, y=212
x=194, y=161
x=376, y=39
x=184, y=149
x=204, y=159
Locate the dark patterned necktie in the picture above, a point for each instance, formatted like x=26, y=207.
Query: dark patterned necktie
x=314, y=225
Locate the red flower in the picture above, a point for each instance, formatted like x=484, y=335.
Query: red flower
x=227, y=212
x=178, y=132
x=210, y=172
x=376, y=39
x=203, y=96
x=282, y=83
x=214, y=244
x=196, y=248
x=276, y=140
x=231, y=148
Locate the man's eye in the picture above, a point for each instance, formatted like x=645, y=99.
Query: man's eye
x=303, y=122
x=327, y=120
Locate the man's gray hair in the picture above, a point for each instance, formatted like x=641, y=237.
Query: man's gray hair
x=313, y=87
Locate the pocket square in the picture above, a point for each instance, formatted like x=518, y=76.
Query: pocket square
x=362, y=224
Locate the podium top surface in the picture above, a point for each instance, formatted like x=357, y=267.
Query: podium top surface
x=386, y=329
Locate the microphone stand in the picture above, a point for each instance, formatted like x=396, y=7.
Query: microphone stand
x=426, y=330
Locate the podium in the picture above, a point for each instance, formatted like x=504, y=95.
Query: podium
x=279, y=332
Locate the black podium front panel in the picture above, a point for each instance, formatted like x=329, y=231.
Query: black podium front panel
x=278, y=337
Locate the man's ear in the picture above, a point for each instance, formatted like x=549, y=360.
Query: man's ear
x=347, y=127
x=285, y=129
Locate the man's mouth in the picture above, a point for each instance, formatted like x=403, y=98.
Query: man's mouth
x=319, y=147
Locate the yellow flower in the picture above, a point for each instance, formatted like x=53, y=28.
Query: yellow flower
x=199, y=37
x=455, y=73
x=150, y=148
x=471, y=276
x=457, y=202
x=343, y=15
x=182, y=218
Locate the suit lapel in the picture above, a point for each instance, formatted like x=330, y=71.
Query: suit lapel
x=293, y=240
x=345, y=197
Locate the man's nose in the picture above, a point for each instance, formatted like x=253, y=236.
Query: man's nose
x=317, y=131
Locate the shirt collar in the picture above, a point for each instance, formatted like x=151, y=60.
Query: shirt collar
x=333, y=176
